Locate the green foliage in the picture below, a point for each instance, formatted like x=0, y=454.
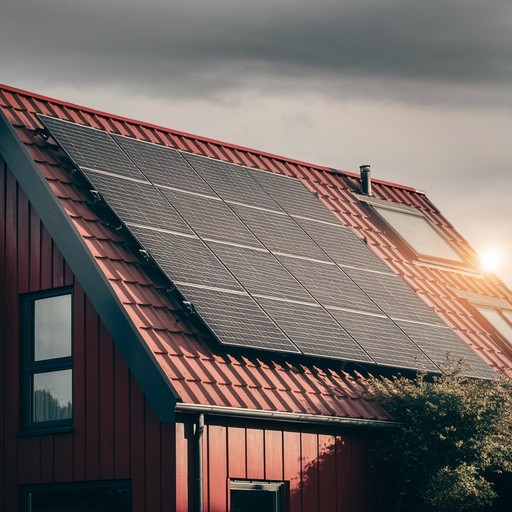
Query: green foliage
x=455, y=433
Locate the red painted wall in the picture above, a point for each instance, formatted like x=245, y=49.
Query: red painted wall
x=326, y=472
x=115, y=432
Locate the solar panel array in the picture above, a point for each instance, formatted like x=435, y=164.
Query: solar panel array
x=265, y=264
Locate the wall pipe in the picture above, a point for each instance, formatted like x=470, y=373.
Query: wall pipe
x=199, y=462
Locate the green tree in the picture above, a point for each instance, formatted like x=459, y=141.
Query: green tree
x=454, y=438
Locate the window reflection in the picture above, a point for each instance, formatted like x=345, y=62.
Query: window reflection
x=52, y=327
x=52, y=396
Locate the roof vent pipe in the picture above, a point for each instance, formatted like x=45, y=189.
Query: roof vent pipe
x=366, y=180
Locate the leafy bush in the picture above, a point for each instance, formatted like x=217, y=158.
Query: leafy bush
x=455, y=435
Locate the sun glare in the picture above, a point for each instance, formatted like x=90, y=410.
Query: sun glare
x=490, y=259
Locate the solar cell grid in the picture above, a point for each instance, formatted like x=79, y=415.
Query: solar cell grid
x=383, y=340
x=91, y=148
x=313, y=330
x=138, y=203
x=293, y=196
x=260, y=272
x=163, y=166
x=279, y=233
x=343, y=246
x=231, y=182
x=440, y=342
x=185, y=259
x=393, y=296
x=329, y=284
x=211, y=218
x=237, y=320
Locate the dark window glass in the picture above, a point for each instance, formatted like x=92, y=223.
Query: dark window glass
x=52, y=327
x=88, y=499
x=253, y=496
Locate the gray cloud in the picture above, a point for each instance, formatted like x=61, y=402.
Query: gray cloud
x=451, y=50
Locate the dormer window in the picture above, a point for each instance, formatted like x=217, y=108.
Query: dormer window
x=47, y=359
x=419, y=233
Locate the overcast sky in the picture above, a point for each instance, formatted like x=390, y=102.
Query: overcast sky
x=422, y=90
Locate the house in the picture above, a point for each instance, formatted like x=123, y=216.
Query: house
x=123, y=386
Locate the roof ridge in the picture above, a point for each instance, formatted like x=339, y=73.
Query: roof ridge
x=200, y=138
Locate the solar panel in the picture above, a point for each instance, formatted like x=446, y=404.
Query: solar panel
x=163, y=165
x=329, y=284
x=211, y=218
x=330, y=297
x=343, y=246
x=237, y=320
x=259, y=272
x=313, y=330
x=393, y=296
x=293, y=196
x=383, y=340
x=185, y=259
x=136, y=202
x=91, y=148
x=440, y=342
x=279, y=233
x=231, y=182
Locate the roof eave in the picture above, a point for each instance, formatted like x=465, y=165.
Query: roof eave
x=140, y=359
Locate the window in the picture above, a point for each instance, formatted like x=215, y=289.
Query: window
x=85, y=497
x=418, y=233
x=500, y=319
x=255, y=496
x=46, y=323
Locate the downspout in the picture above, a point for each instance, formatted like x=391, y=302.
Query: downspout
x=199, y=463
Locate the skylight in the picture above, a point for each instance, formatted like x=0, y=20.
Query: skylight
x=501, y=320
x=419, y=233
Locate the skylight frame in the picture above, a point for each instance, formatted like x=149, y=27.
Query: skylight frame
x=377, y=205
x=503, y=313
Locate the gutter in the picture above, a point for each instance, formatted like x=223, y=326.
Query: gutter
x=234, y=412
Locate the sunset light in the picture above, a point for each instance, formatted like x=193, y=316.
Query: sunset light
x=490, y=259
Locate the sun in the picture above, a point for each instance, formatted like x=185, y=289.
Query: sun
x=490, y=259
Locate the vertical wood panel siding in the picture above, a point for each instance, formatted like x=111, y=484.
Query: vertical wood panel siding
x=321, y=473
x=115, y=433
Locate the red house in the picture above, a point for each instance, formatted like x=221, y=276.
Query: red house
x=186, y=324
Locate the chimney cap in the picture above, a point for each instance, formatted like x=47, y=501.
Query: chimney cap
x=365, y=167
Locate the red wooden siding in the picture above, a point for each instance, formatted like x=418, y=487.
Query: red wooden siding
x=321, y=472
x=115, y=433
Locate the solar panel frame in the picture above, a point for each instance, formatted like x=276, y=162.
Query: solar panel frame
x=293, y=196
x=236, y=319
x=441, y=343
x=231, y=182
x=259, y=272
x=92, y=147
x=329, y=284
x=137, y=202
x=192, y=262
x=313, y=330
x=343, y=246
x=211, y=218
x=164, y=165
x=279, y=232
x=383, y=340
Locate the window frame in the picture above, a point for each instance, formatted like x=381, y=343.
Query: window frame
x=30, y=367
x=374, y=204
x=501, y=312
x=27, y=490
x=280, y=487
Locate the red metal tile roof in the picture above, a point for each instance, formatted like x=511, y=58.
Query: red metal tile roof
x=203, y=373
